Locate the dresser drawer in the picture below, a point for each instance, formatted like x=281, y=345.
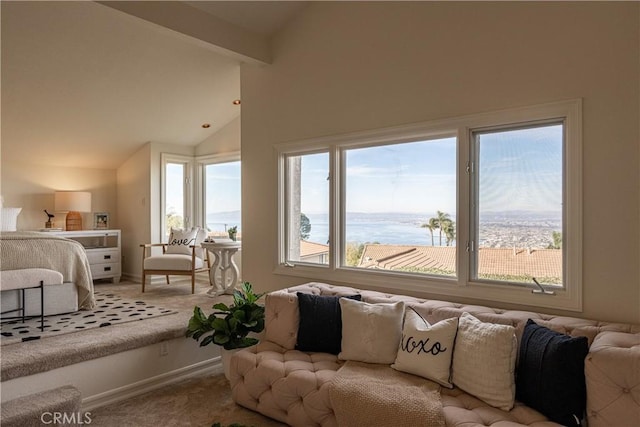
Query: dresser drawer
x=103, y=256
x=111, y=269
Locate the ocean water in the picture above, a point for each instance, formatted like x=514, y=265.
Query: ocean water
x=396, y=228
x=523, y=229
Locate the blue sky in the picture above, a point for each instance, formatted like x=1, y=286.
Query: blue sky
x=519, y=170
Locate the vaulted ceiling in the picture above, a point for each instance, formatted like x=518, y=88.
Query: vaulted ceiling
x=85, y=84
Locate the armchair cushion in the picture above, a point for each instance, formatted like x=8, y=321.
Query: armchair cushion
x=171, y=262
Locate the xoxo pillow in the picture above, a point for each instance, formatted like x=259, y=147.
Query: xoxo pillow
x=426, y=350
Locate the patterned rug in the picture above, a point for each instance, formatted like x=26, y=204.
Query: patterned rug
x=110, y=310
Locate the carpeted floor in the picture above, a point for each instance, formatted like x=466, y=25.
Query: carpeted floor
x=197, y=403
x=41, y=355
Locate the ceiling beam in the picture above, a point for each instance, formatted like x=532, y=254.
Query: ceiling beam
x=218, y=34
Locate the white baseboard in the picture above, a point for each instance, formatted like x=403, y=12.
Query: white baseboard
x=207, y=367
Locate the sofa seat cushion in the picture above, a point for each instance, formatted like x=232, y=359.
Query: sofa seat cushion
x=462, y=409
x=287, y=385
x=171, y=262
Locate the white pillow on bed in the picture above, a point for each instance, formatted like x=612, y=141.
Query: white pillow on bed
x=9, y=219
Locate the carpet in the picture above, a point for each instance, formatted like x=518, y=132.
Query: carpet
x=196, y=402
x=111, y=309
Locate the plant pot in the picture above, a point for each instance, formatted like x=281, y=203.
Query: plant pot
x=233, y=236
x=226, y=361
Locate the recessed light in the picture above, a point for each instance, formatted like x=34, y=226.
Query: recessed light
x=206, y=125
x=236, y=102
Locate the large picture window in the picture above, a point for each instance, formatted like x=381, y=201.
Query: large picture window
x=222, y=198
x=485, y=206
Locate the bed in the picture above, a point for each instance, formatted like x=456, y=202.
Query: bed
x=30, y=249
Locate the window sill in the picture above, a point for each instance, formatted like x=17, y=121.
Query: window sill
x=435, y=288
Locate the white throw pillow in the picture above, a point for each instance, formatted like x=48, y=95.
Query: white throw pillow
x=9, y=219
x=426, y=350
x=484, y=361
x=370, y=332
x=181, y=239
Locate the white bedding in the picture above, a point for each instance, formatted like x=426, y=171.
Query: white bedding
x=30, y=249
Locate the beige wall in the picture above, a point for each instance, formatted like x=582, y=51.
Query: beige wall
x=32, y=186
x=226, y=140
x=350, y=66
x=134, y=208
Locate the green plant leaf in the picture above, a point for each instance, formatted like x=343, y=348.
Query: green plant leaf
x=220, y=306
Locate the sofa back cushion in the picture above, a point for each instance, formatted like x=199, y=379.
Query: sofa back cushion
x=281, y=318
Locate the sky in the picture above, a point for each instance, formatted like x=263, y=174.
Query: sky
x=518, y=170
x=223, y=190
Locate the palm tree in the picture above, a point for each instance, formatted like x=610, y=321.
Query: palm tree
x=449, y=230
x=431, y=225
x=441, y=219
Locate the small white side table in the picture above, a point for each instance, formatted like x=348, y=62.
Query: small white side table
x=223, y=253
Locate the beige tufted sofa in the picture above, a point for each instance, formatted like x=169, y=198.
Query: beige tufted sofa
x=291, y=386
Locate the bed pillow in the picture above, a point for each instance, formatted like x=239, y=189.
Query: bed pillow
x=484, y=361
x=370, y=332
x=320, y=326
x=426, y=350
x=180, y=240
x=9, y=219
x=550, y=376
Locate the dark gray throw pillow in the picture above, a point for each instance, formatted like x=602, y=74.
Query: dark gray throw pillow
x=320, y=327
x=550, y=374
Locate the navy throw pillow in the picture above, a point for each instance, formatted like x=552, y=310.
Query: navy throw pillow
x=550, y=374
x=320, y=327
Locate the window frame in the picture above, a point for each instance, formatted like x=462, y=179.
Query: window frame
x=188, y=202
x=201, y=187
x=568, y=298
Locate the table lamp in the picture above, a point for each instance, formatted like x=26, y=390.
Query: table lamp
x=73, y=202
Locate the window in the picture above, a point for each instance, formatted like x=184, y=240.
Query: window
x=176, y=193
x=222, y=197
x=476, y=206
x=400, y=207
x=518, y=214
x=307, y=204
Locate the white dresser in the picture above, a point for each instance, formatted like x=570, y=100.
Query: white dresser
x=103, y=251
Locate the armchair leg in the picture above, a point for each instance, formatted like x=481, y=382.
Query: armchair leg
x=168, y=283
x=193, y=282
x=144, y=280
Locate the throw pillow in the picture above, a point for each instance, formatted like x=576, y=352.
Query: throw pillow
x=484, y=361
x=426, y=350
x=370, y=332
x=320, y=326
x=9, y=219
x=181, y=239
x=550, y=376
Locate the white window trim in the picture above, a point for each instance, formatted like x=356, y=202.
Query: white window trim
x=569, y=298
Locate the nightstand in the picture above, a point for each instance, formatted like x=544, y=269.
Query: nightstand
x=103, y=251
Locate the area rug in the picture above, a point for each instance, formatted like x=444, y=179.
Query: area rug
x=110, y=309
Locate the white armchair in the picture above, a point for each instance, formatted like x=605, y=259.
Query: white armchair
x=182, y=256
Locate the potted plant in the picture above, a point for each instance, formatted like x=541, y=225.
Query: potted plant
x=229, y=325
x=233, y=232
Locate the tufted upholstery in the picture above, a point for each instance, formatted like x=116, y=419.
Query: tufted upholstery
x=291, y=386
x=612, y=369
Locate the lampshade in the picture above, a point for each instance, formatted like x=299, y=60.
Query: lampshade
x=73, y=202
